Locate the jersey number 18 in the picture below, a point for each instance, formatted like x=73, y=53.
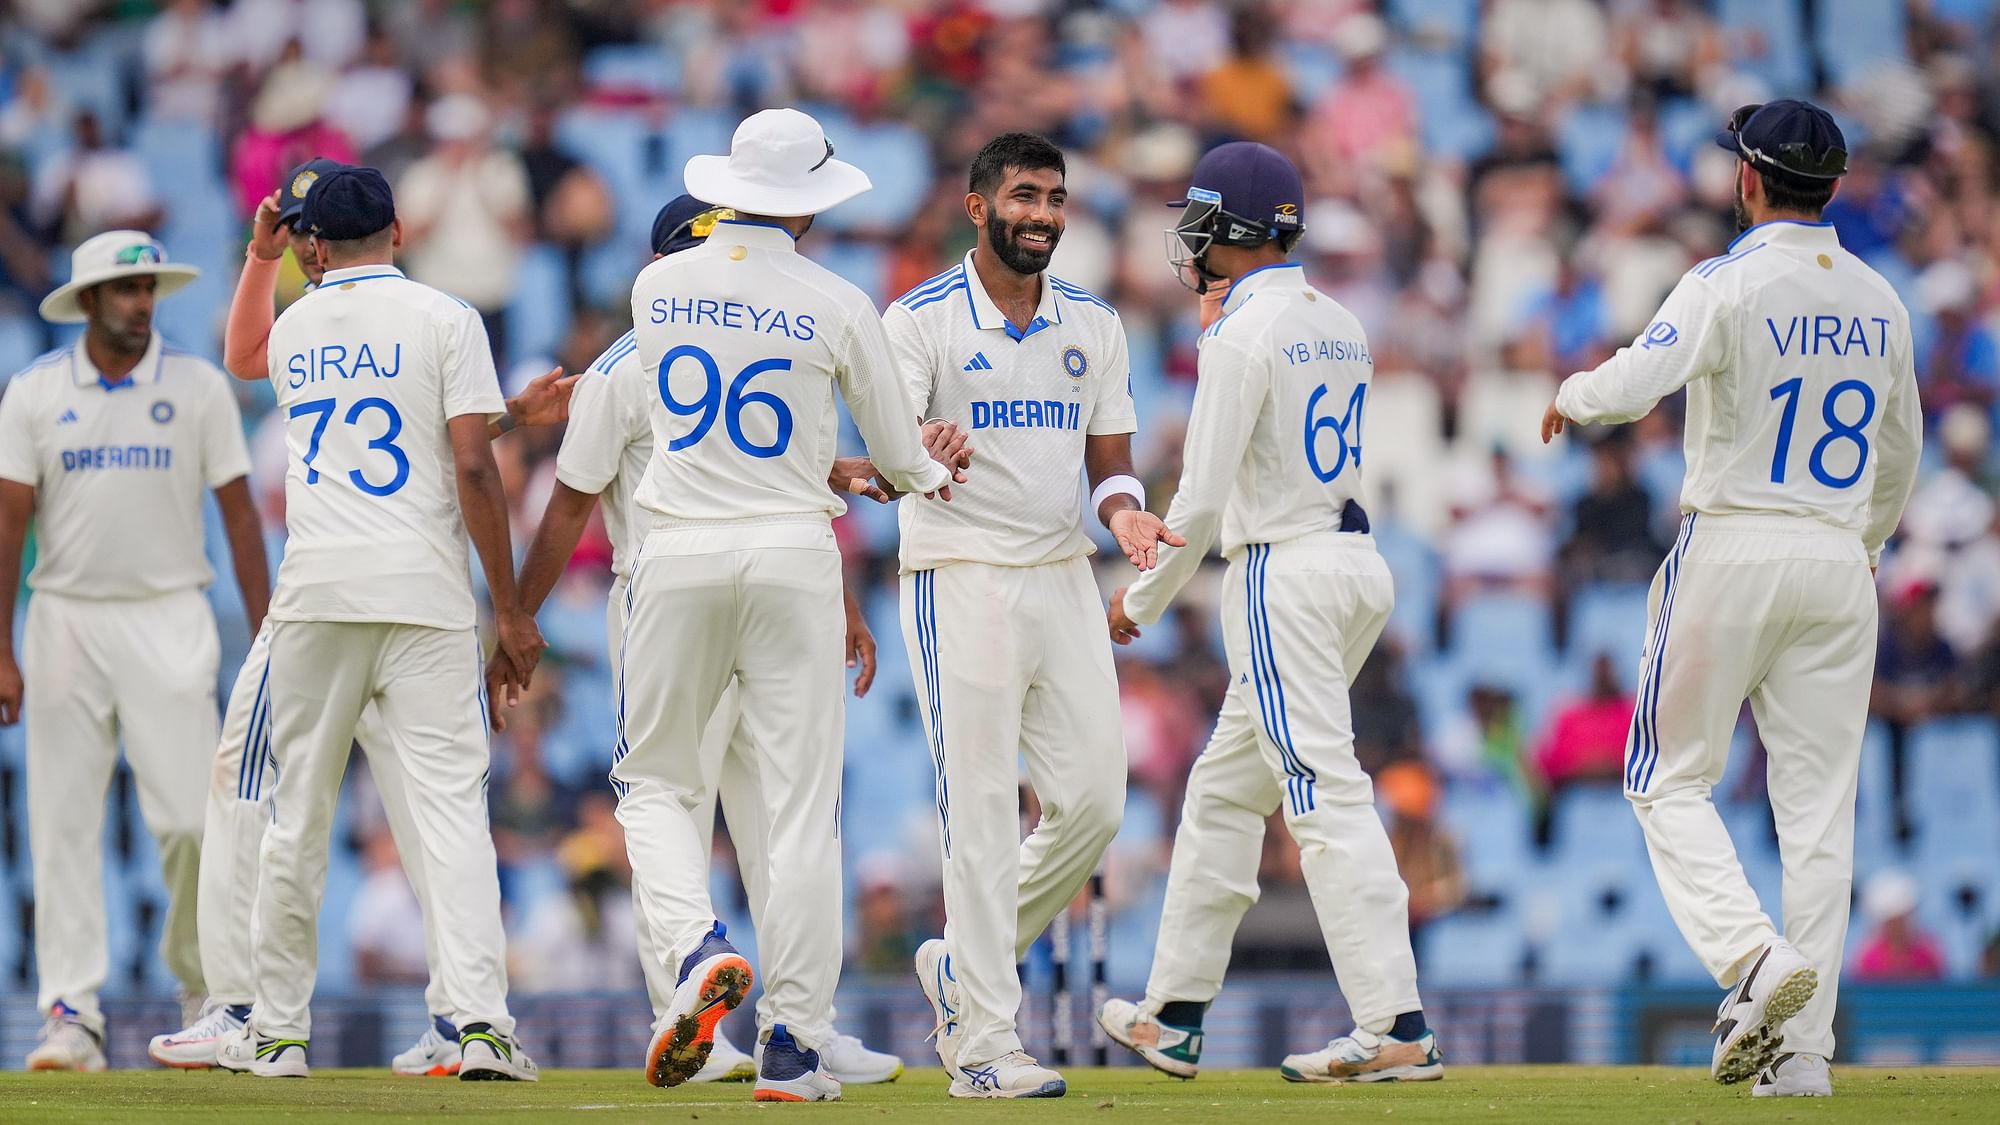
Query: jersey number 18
x=1836, y=430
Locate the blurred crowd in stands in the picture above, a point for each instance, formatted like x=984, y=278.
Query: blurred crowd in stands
x=1502, y=191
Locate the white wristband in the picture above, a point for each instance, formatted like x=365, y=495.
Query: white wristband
x=1120, y=485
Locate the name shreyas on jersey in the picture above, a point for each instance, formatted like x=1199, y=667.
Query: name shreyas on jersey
x=1338, y=351
x=1830, y=335
x=732, y=314
x=319, y=364
x=117, y=457
x=1025, y=414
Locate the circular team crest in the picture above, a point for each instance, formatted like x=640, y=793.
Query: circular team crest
x=302, y=183
x=1075, y=362
x=163, y=412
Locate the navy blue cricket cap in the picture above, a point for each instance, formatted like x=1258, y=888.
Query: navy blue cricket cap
x=349, y=203
x=684, y=223
x=1251, y=182
x=298, y=184
x=1791, y=137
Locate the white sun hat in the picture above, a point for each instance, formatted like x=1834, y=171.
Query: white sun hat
x=111, y=255
x=779, y=164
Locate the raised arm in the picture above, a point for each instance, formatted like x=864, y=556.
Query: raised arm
x=251, y=314
x=883, y=412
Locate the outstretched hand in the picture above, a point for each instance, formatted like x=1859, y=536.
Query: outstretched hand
x=1140, y=533
x=545, y=400
x=1552, y=423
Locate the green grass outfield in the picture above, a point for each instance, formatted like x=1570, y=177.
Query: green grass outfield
x=1544, y=1095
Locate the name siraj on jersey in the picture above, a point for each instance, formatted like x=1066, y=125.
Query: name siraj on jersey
x=330, y=360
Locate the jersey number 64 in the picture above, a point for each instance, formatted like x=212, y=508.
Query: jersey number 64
x=1346, y=428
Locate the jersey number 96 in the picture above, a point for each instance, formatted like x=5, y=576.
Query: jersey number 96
x=713, y=401
x=1346, y=428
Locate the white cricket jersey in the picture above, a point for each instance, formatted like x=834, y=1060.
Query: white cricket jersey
x=1273, y=448
x=118, y=469
x=1802, y=389
x=609, y=442
x=743, y=342
x=1029, y=396
x=368, y=368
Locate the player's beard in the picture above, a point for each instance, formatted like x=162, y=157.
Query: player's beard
x=1742, y=212
x=1007, y=246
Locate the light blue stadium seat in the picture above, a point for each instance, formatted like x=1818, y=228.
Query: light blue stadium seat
x=1670, y=959
x=898, y=161
x=1458, y=19
x=1610, y=618
x=635, y=67
x=1954, y=789
x=1490, y=823
x=1973, y=14
x=1419, y=583
x=1469, y=950
x=1855, y=36
x=1686, y=126
x=1875, y=843
x=1589, y=139
x=1599, y=936
x=1310, y=69
x=862, y=263
x=538, y=316
x=1452, y=122
x=1594, y=824
x=1503, y=638
x=578, y=749
x=1775, y=30
x=20, y=343
x=1959, y=901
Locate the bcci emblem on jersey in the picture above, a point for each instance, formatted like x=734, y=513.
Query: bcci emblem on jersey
x=1075, y=362
x=163, y=412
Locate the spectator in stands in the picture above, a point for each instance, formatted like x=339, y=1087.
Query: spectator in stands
x=331, y=31
x=1897, y=949
x=1948, y=532
x=386, y=926
x=467, y=214
x=1247, y=96
x=1963, y=363
x=287, y=128
x=1367, y=122
x=1558, y=48
x=885, y=936
x=1426, y=855
x=1499, y=541
x=372, y=98
x=1666, y=45
x=94, y=187
x=1613, y=536
x=1485, y=742
x=1917, y=678
x=1585, y=742
x=530, y=809
x=1386, y=727
x=582, y=940
x=572, y=208
x=187, y=54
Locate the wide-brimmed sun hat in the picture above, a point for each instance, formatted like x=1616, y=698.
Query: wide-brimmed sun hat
x=779, y=164
x=107, y=257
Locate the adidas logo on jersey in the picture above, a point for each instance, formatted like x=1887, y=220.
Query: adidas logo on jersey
x=68, y=416
x=979, y=362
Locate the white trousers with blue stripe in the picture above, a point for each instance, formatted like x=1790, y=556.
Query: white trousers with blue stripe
x=1013, y=663
x=239, y=806
x=756, y=602
x=1298, y=619
x=140, y=672
x=1780, y=611
x=428, y=686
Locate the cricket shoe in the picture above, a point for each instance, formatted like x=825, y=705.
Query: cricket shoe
x=849, y=1060
x=947, y=1000
x=787, y=1072
x=726, y=1063
x=246, y=1052
x=1794, y=1076
x=1748, y=1025
x=714, y=980
x=67, y=1043
x=193, y=1047
x=1013, y=1075
x=485, y=1055
x=434, y=1055
x=1166, y=1048
x=1363, y=1056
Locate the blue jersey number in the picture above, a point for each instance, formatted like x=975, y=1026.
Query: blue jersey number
x=1346, y=428
x=392, y=426
x=1836, y=430
x=714, y=401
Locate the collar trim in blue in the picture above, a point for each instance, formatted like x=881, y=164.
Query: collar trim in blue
x=1767, y=223
x=754, y=223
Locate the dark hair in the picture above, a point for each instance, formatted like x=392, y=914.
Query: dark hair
x=1024, y=152
x=1795, y=193
x=347, y=249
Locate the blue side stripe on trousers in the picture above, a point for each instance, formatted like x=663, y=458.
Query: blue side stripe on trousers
x=1270, y=689
x=623, y=746
x=247, y=763
x=925, y=612
x=1646, y=719
x=1304, y=773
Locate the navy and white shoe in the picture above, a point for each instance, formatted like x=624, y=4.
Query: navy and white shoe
x=1015, y=1074
x=485, y=1055
x=788, y=1072
x=947, y=1000
x=714, y=980
x=1748, y=1026
x=244, y=1051
x=726, y=1063
x=194, y=1046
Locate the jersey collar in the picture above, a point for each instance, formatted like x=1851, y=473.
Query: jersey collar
x=356, y=273
x=762, y=236
x=1284, y=275
x=87, y=375
x=1790, y=230
x=987, y=316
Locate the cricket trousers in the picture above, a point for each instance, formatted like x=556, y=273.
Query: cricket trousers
x=1780, y=611
x=1012, y=663
x=757, y=601
x=240, y=788
x=428, y=687
x=141, y=672
x=729, y=772
x=1299, y=619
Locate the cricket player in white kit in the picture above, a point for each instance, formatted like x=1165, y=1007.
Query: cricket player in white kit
x=111, y=442
x=745, y=343
x=605, y=452
x=241, y=781
x=387, y=386
x=1000, y=605
x=1272, y=467
x=1803, y=432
